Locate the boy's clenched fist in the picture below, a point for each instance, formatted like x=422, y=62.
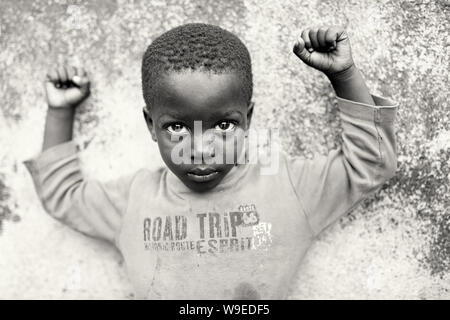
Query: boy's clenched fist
x=66, y=87
x=326, y=49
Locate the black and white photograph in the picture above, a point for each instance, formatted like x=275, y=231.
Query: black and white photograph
x=224, y=150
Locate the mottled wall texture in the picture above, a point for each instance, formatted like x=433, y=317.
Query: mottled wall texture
x=395, y=245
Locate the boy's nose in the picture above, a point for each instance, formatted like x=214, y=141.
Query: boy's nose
x=202, y=147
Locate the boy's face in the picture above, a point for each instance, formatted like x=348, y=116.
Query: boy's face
x=199, y=120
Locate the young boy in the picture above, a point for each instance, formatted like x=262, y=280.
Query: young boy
x=215, y=229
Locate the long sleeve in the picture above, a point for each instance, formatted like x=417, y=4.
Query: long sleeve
x=90, y=207
x=330, y=186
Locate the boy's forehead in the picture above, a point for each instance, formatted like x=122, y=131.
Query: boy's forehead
x=193, y=89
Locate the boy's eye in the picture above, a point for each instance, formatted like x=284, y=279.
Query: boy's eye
x=225, y=126
x=177, y=128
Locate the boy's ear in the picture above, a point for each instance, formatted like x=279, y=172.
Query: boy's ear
x=149, y=121
x=250, y=113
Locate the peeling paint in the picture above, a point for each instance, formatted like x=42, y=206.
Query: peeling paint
x=7, y=205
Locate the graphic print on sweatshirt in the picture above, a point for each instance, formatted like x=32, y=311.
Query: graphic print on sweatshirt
x=208, y=232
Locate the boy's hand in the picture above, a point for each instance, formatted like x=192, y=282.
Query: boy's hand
x=66, y=87
x=326, y=49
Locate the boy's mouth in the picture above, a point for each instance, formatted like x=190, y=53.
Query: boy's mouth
x=202, y=175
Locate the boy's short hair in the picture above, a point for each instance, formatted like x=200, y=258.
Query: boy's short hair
x=196, y=46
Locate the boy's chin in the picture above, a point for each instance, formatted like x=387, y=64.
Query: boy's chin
x=197, y=185
x=199, y=180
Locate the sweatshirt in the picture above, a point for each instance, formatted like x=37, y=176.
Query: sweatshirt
x=244, y=239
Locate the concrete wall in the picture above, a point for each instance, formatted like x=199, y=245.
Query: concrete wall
x=396, y=245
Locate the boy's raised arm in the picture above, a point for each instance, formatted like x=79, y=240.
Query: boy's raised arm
x=66, y=89
x=90, y=207
x=328, y=50
x=329, y=186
